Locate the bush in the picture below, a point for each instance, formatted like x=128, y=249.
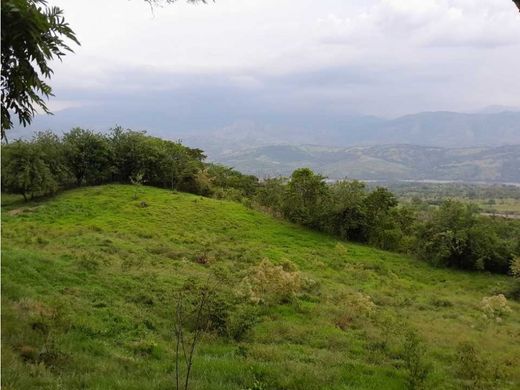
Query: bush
x=362, y=304
x=25, y=172
x=495, y=307
x=270, y=284
x=354, y=306
x=228, y=179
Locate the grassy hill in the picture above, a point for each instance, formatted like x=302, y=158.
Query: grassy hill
x=88, y=284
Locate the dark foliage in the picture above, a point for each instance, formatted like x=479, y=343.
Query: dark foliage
x=451, y=235
x=83, y=157
x=33, y=34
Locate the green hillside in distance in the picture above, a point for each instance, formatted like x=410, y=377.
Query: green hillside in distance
x=88, y=284
x=381, y=162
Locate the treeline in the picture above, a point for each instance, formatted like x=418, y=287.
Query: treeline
x=48, y=163
x=452, y=234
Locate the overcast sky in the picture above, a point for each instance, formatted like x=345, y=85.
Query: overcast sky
x=274, y=57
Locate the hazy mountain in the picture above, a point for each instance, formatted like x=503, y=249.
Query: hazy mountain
x=216, y=132
x=386, y=162
x=495, y=109
x=456, y=146
x=449, y=129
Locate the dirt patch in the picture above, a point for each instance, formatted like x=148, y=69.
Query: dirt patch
x=22, y=210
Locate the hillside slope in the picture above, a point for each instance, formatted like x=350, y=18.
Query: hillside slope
x=88, y=282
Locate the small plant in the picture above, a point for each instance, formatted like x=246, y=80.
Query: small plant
x=441, y=302
x=257, y=385
x=241, y=321
x=414, y=363
x=186, y=312
x=470, y=366
x=137, y=181
x=363, y=304
x=88, y=263
x=495, y=307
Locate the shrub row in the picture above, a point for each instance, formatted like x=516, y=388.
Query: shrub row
x=48, y=163
x=452, y=234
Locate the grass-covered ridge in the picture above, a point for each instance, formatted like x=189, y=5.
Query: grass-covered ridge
x=88, y=283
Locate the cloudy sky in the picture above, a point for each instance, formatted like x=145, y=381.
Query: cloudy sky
x=265, y=59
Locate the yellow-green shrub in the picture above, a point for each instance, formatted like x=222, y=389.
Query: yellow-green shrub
x=495, y=307
x=268, y=283
x=354, y=306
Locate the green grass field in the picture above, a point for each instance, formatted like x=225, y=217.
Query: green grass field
x=88, y=284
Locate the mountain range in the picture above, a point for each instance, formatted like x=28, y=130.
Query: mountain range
x=382, y=162
x=487, y=127
x=441, y=145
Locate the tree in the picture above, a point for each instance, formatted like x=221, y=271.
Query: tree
x=346, y=214
x=381, y=227
x=456, y=237
x=226, y=178
x=379, y=202
x=270, y=194
x=305, y=197
x=33, y=34
x=52, y=153
x=87, y=155
x=162, y=163
x=130, y=153
x=515, y=271
x=24, y=170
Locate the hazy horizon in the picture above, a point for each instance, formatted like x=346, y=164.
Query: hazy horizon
x=189, y=68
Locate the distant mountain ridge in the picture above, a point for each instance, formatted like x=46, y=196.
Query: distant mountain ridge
x=489, y=127
x=441, y=145
x=450, y=129
x=382, y=162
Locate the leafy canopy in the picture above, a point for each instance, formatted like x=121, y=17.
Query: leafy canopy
x=33, y=34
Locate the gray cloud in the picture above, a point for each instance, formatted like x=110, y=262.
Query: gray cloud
x=189, y=68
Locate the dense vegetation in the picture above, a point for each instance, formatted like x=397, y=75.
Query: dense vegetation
x=453, y=234
x=491, y=199
x=90, y=281
x=48, y=163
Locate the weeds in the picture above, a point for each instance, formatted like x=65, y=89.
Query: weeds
x=183, y=315
x=414, y=362
x=470, y=366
